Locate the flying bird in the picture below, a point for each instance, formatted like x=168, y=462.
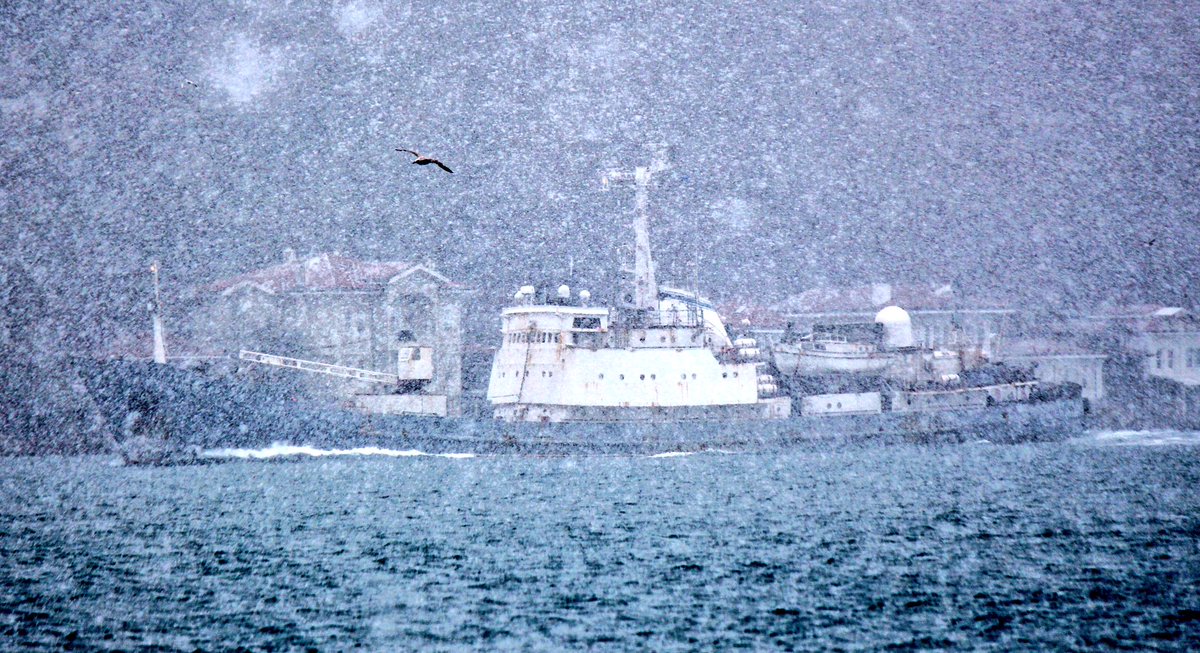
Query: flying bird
x=423, y=160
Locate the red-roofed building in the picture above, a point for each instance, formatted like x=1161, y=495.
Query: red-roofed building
x=335, y=309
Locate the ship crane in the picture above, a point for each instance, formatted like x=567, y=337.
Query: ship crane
x=645, y=287
x=414, y=366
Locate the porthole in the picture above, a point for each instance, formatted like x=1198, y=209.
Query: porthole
x=622, y=377
x=735, y=375
x=724, y=375
x=827, y=406
x=653, y=376
x=642, y=377
x=693, y=376
x=839, y=404
x=601, y=377
x=683, y=376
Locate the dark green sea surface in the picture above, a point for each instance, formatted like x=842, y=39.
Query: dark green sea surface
x=1091, y=543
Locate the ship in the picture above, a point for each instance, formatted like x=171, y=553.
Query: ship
x=656, y=371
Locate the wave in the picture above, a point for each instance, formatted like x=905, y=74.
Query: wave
x=1147, y=438
x=285, y=450
x=679, y=454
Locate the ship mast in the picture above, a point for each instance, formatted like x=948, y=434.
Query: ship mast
x=645, y=288
x=160, y=345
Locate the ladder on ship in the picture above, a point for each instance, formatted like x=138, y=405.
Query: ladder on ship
x=319, y=368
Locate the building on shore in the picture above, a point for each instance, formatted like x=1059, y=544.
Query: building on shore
x=1058, y=361
x=334, y=309
x=940, y=317
x=1153, y=368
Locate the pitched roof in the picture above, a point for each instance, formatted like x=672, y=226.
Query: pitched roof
x=869, y=298
x=321, y=272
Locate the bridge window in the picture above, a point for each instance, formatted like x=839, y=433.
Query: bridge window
x=586, y=323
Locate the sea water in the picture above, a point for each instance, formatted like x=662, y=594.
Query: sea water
x=1090, y=543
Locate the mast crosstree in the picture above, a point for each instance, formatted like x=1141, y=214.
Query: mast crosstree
x=645, y=287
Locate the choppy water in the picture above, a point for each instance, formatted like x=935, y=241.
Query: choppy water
x=1067, y=546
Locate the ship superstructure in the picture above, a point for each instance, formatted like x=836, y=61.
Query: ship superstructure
x=664, y=355
x=871, y=368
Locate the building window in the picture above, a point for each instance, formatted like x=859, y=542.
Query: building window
x=1158, y=359
x=1171, y=359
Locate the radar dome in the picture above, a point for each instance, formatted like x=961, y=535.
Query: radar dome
x=897, y=327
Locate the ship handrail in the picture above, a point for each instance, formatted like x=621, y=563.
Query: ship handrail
x=970, y=388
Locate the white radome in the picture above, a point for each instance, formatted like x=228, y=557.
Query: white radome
x=897, y=326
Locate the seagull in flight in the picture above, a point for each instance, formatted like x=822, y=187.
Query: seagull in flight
x=423, y=160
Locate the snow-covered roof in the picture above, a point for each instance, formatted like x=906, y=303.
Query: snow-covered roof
x=1033, y=347
x=323, y=272
x=870, y=298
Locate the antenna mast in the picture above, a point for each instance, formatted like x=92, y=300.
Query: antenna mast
x=160, y=345
x=645, y=288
